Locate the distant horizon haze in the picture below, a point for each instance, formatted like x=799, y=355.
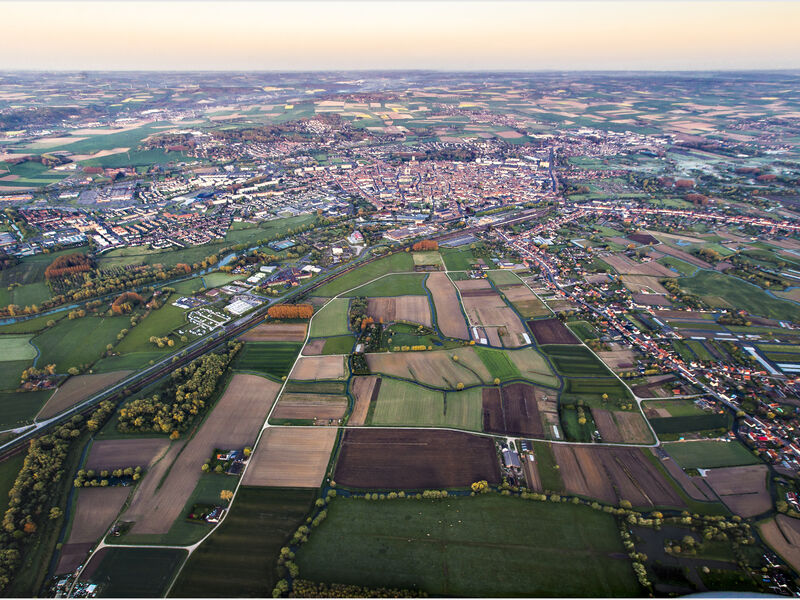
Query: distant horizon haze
x=317, y=35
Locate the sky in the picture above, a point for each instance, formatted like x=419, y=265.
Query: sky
x=408, y=34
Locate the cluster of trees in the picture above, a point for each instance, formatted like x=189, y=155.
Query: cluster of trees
x=162, y=341
x=358, y=313
x=125, y=302
x=82, y=286
x=68, y=264
x=358, y=364
x=34, y=374
x=91, y=478
x=690, y=300
x=302, y=588
x=76, y=314
x=32, y=496
x=730, y=318
x=425, y=245
x=183, y=398
x=417, y=348
x=291, y=311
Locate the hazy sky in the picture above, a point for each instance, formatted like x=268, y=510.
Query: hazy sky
x=329, y=34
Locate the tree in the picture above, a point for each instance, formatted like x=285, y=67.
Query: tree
x=55, y=513
x=226, y=495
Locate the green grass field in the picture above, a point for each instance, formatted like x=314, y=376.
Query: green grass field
x=547, y=467
x=457, y=259
x=502, y=277
x=71, y=343
x=136, y=572
x=331, y=319
x=9, y=469
x=404, y=403
x=499, y=364
x=25, y=295
x=159, y=323
x=273, y=359
x=405, y=284
x=19, y=408
x=129, y=362
x=239, y=558
x=679, y=265
x=483, y=546
x=740, y=294
x=707, y=455
x=11, y=372
x=16, y=348
x=583, y=329
x=34, y=325
x=399, y=262
x=676, y=408
x=340, y=344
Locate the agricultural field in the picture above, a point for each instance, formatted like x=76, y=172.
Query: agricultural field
x=19, y=408
x=273, y=359
x=159, y=323
x=413, y=309
x=340, y=344
x=622, y=427
x=96, y=510
x=528, y=304
x=533, y=366
x=551, y=331
x=394, y=263
x=782, y=533
x=319, y=367
x=313, y=407
x=437, y=369
x=457, y=259
x=449, y=316
x=393, y=459
x=512, y=410
x=291, y=457
x=740, y=294
x=457, y=546
x=403, y=284
x=276, y=332
x=365, y=390
x=77, y=389
x=710, y=454
x=501, y=278
x=431, y=258
x=487, y=309
x=498, y=363
x=133, y=572
x=238, y=560
x=611, y=474
x=127, y=452
x=234, y=423
x=744, y=490
x=331, y=319
x=404, y=403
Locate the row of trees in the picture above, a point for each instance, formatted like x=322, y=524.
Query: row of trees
x=425, y=245
x=125, y=303
x=92, y=478
x=172, y=410
x=68, y=264
x=31, y=498
x=291, y=311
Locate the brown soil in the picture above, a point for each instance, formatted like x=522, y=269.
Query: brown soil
x=291, y=457
x=448, y=308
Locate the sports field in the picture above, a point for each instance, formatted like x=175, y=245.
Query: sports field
x=399, y=262
x=239, y=558
x=710, y=454
x=482, y=546
x=273, y=359
x=331, y=319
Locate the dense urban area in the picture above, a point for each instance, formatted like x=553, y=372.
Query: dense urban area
x=399, y=334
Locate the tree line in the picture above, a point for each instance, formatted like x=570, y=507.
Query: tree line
x=172, y=410
x=291, y=311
